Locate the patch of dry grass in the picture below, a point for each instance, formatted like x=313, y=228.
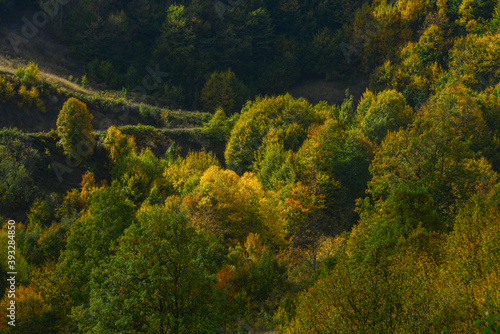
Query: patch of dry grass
x=64, y=83
x=9, y=67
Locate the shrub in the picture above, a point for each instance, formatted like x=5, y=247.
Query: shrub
x=219, y=127
x=6, y=90
x=29, y=75
x=148, y=113
x=30, y=98
x=118, y=144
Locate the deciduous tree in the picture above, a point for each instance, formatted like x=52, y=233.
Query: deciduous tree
x=75, y=128
x=161, y=280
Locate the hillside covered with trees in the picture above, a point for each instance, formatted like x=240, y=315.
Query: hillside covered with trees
x=173, y=184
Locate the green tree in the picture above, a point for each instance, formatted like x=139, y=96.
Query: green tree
x=75, y=128
x=431, y=46
x=286, y=115
x=118, y=145
x=138, y=174
x=181, y=50
x=425, y=173
x=474, y=60
x=274, y=166
x=338, y=159
x=223, y=90
x=219, y=127
x=381, y=113
x=161, y=280
x=327, y=53
x=257, y=279
x=92, y=235
x=18, y=162
x=15, y=184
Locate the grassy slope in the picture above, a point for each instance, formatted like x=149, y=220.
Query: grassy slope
x=108, y=108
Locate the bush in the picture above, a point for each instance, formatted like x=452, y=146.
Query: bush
x=143, y=134
x=149, y=113
x=29, y=75
x=6, y=90
x=117, y=144
x=219, y=127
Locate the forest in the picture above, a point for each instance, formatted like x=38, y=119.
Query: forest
x=159, y=175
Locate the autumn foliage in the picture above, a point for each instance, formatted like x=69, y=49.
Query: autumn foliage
x=378, y=214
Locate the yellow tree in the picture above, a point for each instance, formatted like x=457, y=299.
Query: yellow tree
x=229, y=206
x=380, y=283
x=118, y=144
x=474, y=60
x=472, y=263
x=183, y=175
x=289, y=117
x=75, y=128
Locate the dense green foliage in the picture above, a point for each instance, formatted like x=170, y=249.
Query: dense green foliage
x=380, y=217
x=262, y=42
